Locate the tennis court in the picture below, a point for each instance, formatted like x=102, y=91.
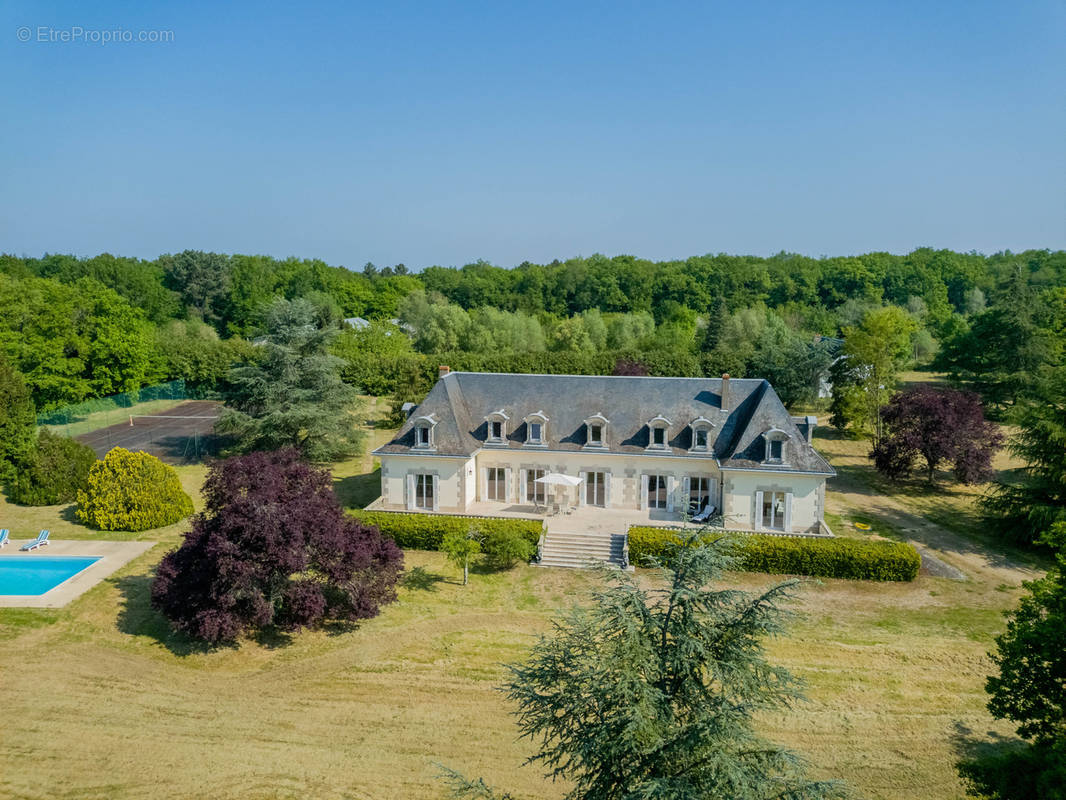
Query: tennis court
x=183, y=434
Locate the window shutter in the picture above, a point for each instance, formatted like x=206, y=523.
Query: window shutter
x=607, y=490
x=756, y=521
x=582, y=491
x=507, y=493
x=671, y=485
x=523, y=486
x=410, y=491
x=436, y=492
x=686, y=494
x=484, y=484
x=643, y=492
x=788, y=511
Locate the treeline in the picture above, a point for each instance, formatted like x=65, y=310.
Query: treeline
x=83, y=327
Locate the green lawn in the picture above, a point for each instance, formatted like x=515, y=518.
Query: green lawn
x=100, y=700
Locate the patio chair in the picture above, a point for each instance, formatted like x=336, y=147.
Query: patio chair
x=4, y=534
x=704, y=515
x=40, y=541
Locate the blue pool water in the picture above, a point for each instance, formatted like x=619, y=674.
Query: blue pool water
x=33, y=575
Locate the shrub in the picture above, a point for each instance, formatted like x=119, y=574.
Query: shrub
x=58, y=471
x=503, y=547
x=132, y=492
x=273, y=549
x=854, y=559
x=427, y=531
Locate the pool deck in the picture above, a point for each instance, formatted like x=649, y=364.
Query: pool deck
x=112, y=555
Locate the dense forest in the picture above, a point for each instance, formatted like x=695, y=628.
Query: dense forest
x=78, y=328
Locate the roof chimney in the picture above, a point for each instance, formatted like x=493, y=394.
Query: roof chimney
x=812, y=423
x=725, y=391
x=443, y=370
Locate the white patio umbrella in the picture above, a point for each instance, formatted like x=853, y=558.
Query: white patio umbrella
x=559, y=479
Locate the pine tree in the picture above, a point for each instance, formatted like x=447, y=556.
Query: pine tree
x=1022, y=510
x=292, y=396
x=18, y=422
x=652, y=693
x=1029, y=690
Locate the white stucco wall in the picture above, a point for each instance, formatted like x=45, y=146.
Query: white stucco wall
x=468, y=486
x=741, y=488
x=460, y=481
x=451, y=475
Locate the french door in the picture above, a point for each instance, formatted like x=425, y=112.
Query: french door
x=699, y=494
x=536, y=493
x=657, y=491
x=424, y=485
x=596, y=489
x=774, y=510
x=496, y=479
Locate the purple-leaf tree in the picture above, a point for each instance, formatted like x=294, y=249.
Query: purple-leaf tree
x=273, y=548
x=629, y=366
x=939, y=426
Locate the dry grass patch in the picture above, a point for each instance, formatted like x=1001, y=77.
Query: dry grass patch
x=129, y=709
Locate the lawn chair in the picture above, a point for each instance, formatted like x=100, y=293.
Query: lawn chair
x=40, y=541
x=4, y=535
x=704, y=515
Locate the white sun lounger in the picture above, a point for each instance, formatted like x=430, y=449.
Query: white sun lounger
x=40, y=541
x=704, y=515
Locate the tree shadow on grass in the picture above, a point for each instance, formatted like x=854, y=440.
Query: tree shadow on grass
x=968, y=745
x=994, y=765
x=420, y=579
x=273, y=638
x=137, y=618
x=358, y=491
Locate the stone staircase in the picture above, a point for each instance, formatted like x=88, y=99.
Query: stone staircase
x=566, y=549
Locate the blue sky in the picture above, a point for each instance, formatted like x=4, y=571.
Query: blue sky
x=440, y=133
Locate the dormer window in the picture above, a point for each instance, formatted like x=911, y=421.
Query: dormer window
x=496, y=427
x=701, y=435
x=596, y=428
x=424, y=432
x=536, y=425
x=776, y=446
x=657, y=429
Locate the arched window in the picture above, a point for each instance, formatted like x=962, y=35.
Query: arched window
x=701, y=435
x=596, y=431
x=536, y=429
x=496, y=427
x=423, y=430
x=776, y=446
x=658, y=432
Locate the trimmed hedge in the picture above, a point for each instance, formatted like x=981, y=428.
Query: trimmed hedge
x=425, y=531
x=854, y=559
x=58, y=471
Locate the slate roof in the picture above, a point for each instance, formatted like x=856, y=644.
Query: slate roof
x=460, y=401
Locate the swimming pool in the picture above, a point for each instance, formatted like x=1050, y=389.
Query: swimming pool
x=36, y=575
